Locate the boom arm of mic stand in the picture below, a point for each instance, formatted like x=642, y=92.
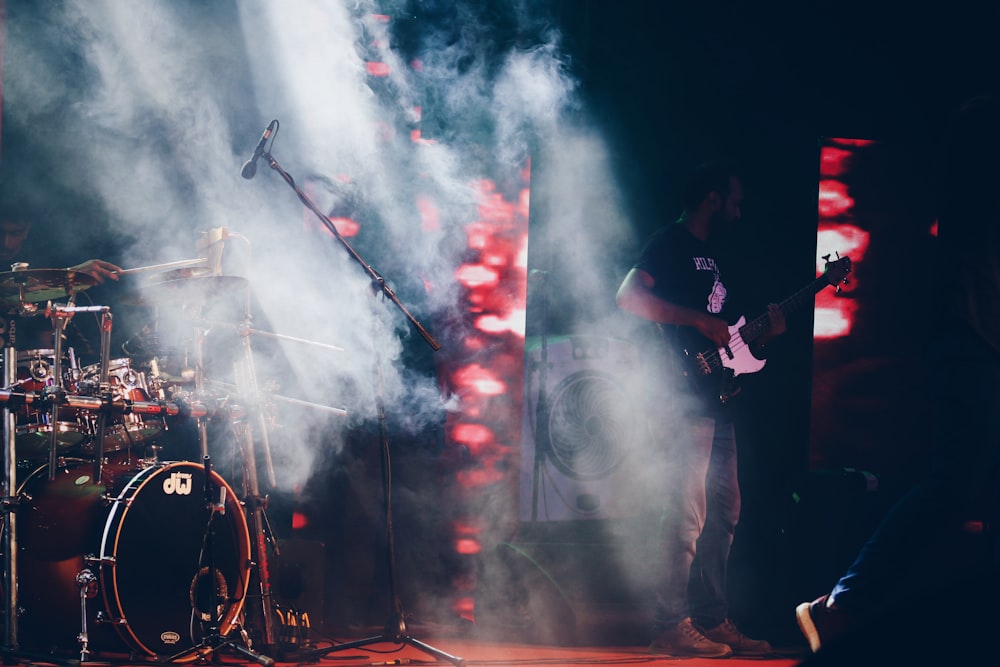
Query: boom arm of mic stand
x=376, y=278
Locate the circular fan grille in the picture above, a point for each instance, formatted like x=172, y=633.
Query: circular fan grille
x=589, y=424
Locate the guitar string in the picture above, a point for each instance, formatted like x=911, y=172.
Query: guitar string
x=714, y=357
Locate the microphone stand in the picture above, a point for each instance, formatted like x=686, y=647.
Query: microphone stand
x=394, y=631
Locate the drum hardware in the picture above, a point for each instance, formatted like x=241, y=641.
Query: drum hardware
x=125, y=383
x=9, y=493
x=395, y=630
x=37, y=575
x=35, y=371
x=87, y=583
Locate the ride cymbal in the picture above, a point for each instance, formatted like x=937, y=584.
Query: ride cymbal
x=35, y=285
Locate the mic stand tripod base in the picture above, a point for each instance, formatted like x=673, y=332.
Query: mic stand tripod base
x=388, y=636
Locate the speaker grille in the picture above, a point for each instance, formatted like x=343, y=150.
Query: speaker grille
x=589, y=422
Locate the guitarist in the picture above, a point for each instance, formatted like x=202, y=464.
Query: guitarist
x=678, y=284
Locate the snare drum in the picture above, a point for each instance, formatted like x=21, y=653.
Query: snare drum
x=35, y=372
x=142, y=534
x=126, y=430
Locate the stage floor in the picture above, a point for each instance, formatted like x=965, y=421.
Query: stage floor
x=444, y=649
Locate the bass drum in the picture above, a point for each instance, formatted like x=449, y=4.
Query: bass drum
x=147, y=528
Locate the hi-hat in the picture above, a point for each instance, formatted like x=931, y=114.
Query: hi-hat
x=192, y=290
x=34, y=285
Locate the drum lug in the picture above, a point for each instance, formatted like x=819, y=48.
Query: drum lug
x=94, y=560
x=106, y=620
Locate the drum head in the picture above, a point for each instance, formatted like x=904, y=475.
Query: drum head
x=177, y=565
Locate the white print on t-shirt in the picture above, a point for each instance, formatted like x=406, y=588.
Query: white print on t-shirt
x=717, y=298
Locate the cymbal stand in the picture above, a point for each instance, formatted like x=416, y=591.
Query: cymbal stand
x=199, y=386
x=10, y=502
x=104, y=382
x=394, y=630
x=56, y=394
x=247, y=387
x=259, y=525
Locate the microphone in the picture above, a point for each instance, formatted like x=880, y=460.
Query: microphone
x=250, y=166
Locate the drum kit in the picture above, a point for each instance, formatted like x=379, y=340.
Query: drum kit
x=106, y=548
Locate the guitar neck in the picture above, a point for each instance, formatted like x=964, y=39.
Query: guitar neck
x=755, y=328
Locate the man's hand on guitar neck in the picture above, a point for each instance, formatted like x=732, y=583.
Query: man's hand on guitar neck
x=778, y=326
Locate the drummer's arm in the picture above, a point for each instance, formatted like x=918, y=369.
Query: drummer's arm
x=98, y=268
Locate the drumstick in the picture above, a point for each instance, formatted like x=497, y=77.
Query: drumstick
x=164, y=267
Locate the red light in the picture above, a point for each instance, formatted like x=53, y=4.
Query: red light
x=854, y=143
x=346, y=226
x=299, y=521
x=513, y=323
x=467, y=547
x=476, y=275
x=465, y=607
x=480, y=380
x=833, y=162
x=430, y=216
x=843, y=240
x=378, y=68
x=465, y=528
x=834, y=322
x=833, y=199
x=470, y=434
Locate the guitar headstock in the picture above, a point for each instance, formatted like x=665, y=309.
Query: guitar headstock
x=836, y=271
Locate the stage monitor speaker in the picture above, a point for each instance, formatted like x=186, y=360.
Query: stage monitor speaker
x=581, y=429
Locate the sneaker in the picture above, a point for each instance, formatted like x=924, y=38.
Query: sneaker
x=821, y=623
x=684, y=641
x=728, y=634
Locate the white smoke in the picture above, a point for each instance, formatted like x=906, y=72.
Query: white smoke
x=158, y=105
x=168, y=102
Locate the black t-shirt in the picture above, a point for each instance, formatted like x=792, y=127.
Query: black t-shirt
x=686, y=272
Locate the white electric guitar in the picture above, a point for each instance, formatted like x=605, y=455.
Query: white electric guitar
x=735, y=359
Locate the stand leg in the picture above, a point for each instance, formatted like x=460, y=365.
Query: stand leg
x=395, y=629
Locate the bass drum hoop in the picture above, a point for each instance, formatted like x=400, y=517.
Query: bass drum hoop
x=111, y=542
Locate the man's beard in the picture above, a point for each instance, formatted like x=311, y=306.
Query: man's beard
x=721, y=224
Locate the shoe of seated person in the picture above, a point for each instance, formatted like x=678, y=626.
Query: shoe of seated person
x=727, y=633
x=685, y=641
x=821, y=622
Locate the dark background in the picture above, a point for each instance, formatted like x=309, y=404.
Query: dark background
x=677, y=83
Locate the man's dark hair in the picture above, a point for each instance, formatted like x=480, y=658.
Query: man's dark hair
x=707, y=178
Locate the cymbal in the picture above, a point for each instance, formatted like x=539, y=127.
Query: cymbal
x=191, y=290
x=42, y=284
